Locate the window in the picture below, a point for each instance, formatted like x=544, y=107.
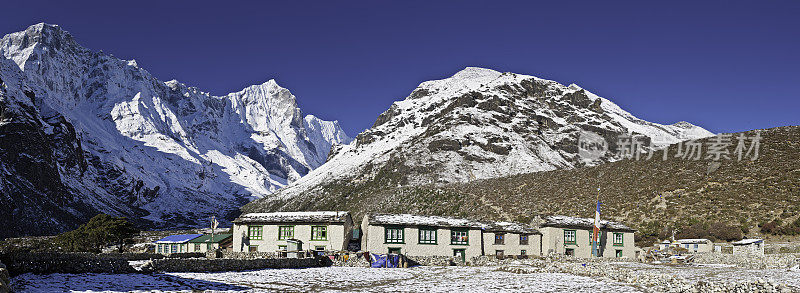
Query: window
x=523, y=240
x=356, y=233
x=197, y=247
x=618, y=239
x=394, y=250
x=208, y=246
x=523, y=252
x=619, y=253
x=498, y=254
x=569, y=252
x=696, y=246
x=255, y=232
x=282, y=250
x=459, y=237
x=319, y=233
x=394, y=235
x=319, y=248
x=427, y=236
x=687, y=246
x=173, y=248
x=499, y=238
x=252, y=248
x=569, y=237
x=285, y=232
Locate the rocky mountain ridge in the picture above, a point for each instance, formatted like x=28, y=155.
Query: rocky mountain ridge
x=117, y=140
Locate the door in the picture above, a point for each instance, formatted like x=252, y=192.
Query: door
x=460, y=254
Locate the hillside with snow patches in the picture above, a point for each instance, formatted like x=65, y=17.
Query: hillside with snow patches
x=82, y=132
x=477, y=124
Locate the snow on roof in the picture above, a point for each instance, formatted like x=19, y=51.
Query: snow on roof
x=294, y=217
x=747, y=241
x=511, y=228
x=587, y=223
x=693, y=241
x=182, y=238
x=417, y=220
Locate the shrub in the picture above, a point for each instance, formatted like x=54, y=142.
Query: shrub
x=772, y=227
x=721, y=231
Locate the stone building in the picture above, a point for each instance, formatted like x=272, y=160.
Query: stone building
x=422, y=236
x=207, y=242
x=572, y=236
x=700, y=245
x=749, y=246
x=506, y=239
x=269, y=232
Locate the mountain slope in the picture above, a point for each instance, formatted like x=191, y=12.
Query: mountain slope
x=164, y=154
x=477, y=124
x=650, y=195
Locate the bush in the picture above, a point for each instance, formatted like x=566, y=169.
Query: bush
x=101, y=231
x=772, y=227
x=692, y=232
x=721, y=231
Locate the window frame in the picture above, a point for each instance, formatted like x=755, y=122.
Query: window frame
x=501, y=237
x=387, y=240
x=251, y=235
x=197, y=247
x=426, y=240
x=527, y=238
x=574, y=236
x=314, y=235
x=283, y=228
x=621, y=239
x=523, y=252
x=252, y=248
x=453, y=232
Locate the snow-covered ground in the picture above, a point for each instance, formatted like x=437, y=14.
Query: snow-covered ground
x=331, y=279
x=721, y=273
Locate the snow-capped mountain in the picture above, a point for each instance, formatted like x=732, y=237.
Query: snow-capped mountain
x=477, y=124
x=128, y=144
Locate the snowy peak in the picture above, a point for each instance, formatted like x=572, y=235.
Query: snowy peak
x=163, y=153
x=480, y=123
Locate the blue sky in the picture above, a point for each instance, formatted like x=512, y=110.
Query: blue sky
x=725, y=65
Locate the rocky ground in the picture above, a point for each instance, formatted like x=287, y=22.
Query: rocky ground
x=533, y=275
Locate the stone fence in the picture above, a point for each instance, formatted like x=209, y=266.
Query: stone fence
x=248, y=255
x=768, y=261
x=228, y=264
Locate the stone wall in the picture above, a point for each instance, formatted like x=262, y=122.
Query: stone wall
x=249, y=255
x=228, y=264
x=769, y=261
x=433, y=260
x=75, y=263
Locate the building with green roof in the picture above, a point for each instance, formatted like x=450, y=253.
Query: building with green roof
x=206, y=242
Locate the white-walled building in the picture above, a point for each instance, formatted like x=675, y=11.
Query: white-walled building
x=695, y=245
x=573, y=236
x=269, y=232
x=414, y=235
x=506, y=239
